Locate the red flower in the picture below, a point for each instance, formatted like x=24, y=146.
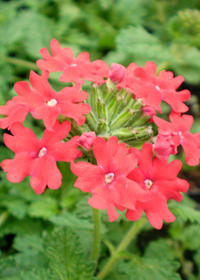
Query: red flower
x=154, y=88
x=158, y=179
x=129, y=77
x=37, y=158
x=180, y=135
x=74, y=69
x=86, y=140
x=14, y=112
x=149, y=111
x=116, y=72
x=107, y=180
x=44, y=103
x=164, y=146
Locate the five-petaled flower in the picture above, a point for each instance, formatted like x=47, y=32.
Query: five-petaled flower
x=73, y=69
x=159, y=180
x=154, y=88
x=37, y=158
x=179, y=129
x=44, y=103
x=107, y=181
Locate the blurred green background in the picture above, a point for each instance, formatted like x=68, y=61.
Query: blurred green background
x=120, y=31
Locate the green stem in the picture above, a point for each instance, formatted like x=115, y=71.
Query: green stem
x=22, y=63
x=97, y=234
x=122, y=246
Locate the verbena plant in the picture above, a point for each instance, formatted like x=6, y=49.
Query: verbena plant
x=119, y=150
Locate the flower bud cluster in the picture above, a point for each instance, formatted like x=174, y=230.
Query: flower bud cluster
x=110, y=126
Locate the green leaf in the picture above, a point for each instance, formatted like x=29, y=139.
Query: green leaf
x=190, y=237
x=25, y=226
x=150, y=268
x=160, y=249
x=145, y=46
x=134, y=14
x=185, y=213
x=15, y=206
x=31, y=244
x=84, y=210
x=187, y=63
x=69, y=219
x=22, y=190
x=43, y=208
x=37, y=34
x=7, y=267
x=34, y=275
x=67, y=260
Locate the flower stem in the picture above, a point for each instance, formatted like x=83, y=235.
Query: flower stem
x=122, y=246
x=97, y=234
x=22, y=63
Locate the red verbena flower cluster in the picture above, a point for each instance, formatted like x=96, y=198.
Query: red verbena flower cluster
x=110, y=128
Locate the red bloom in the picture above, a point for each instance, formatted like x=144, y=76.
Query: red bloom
x=107, y=180
x=86, y=140
x=180, y=135
x=37, y=158
x=149, y=111
x=74, y=69
x=14, y=112
x=116, y=72
x=158, y=179
x=154, y=88
x=44, y=103
x=129, y=77
x=164, y=146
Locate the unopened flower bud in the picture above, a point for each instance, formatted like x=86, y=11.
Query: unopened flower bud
x=149, y=111
x=116, y=72
x=86, y=140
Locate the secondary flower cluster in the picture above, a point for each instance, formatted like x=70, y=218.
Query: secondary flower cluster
x=110, y=128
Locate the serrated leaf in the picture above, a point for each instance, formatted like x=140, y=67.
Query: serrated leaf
x=37, y=34
x=31, y=244
x=190, y=237
x=15, y=206
x=188, y=64
x=160, y=249
x=84, y=210
x=7, y=267
x=137, y=41
x=15, y=226
x=184, y=212
x=134, y=14
x=29, y=262
x=43, y=208
x=22, y=190
x=150, y=268
x=69, y=219
x=67, y=260
x=40, y=274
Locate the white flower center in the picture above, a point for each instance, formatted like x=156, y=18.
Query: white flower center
x=109, y=178
x=180, y=134
x=157, y=87
x=42, y=152
x=52, y=102
x=148, y=183
x=73, y=65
